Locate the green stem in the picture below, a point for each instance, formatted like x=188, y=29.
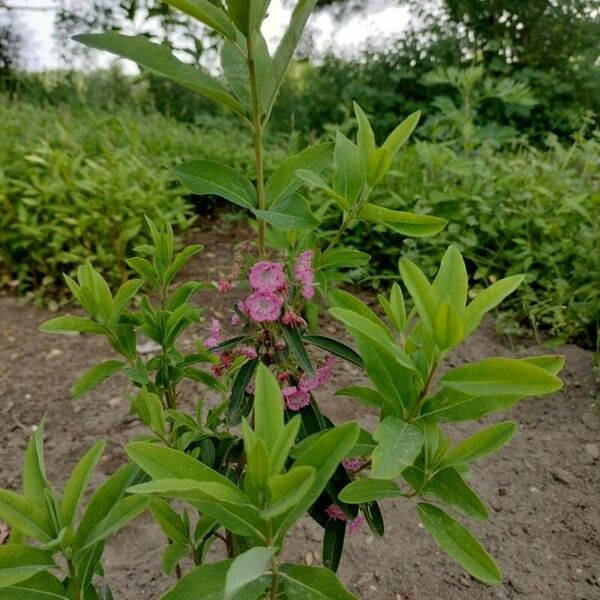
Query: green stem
x=257, y=138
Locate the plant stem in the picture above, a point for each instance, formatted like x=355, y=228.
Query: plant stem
x=274, y=579
x=257, y=138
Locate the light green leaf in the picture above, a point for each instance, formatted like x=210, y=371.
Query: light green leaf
x=459, y=543
x=209, y=14
x=169, y=521
x=22, y=593
x=365, y=138
x=449, y=328
x=34, y=473
x=283, y=444
x=402, y=222
x=348, y=175
x=482, y=443
x=312, y=583
x=235, y=70
x=96, y=375
x=68, y=325
x=287, y=489
x=451, y=283
x=399, y=444
x=284, y=181
x=366, y=396
x=268, y=407
x=158, y=59
x=488, y=299
x=501, y=376
x=206, y=582
x=369, y=490
x=210, y=177
x=246, y=569
x=400, y=135
x=78, y=481
x=314, y=181
x=421, y=292
x=290, y=213
x=551, y=363
x=343, y=258
x=25, y=515
x=18, y=563
x=285, y=51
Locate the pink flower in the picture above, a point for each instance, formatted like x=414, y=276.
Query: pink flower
x=292, y=319
x=215, y=334
x=242, y=307
x=280, y=345
x=295, y=399
x=267, y=276
x=224, y=286
x=304, y=274
x=356, y=524
x=322, y=376
x=225, y=363
x=247, y=351
x=353, y=465
x=250, y=389
x=283, y=376
x=235, y=320
x=335, y=513
x=263, y=306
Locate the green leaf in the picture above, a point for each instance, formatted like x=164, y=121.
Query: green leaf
x=459, y=543
x=206, y=582
x=246, y=569
x=209, y=14
x=238, y=390
x=324, y=456
x=34, y=473
x=312, y=583
x=124, y=510
x=421, y=292
x=67, y=325
x=449, y=487
x=158, y=59
x=333, y=543
x=482, y=443
x=228, y=505
x=23, y=593
x=268, y=407
x=287, y=489
x=314, y=181
x=239, y=12
x=368, y=490
x=398, y=447
x=501, y=376
x=366, y=396
x=342, y=258
x=488, y=299
x=210, y=177
x=285, y=51
x=342, y=299
x=103, y=501
x=365, y=138
x=284, y=181
x=400, y=135
x=18, y=563
x=257, y=14
x=283, y=444
x=174, y=553
x=96, y=375
x=553, y=364
x=451, y=284
x=25, y=515
x=294, y=343
x=402, y=222
x=235, y=70
x=448, y=327
x=169, y=521
x=348, y=176
x=335, y=347
x=290, y=212
x=78, y=481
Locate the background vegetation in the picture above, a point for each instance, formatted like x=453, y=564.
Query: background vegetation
x=507, y=151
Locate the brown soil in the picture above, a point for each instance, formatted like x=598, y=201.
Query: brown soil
x=543, y=490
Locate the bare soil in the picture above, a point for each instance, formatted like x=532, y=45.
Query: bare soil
x=543, y=490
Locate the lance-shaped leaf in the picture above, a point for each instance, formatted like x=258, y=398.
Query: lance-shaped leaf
x=96, y=375
x=333, y=543
x=246, y=569
x=403, y=222
x=18, y=563
x=68, y=325
x=451, y=282
x=421, y=292
x=459, y=543
x=17, y=592
x=399, y=444
x=501, y=376
x=206, y=12
x=287, y=489
x=25, y=516
x=285, y=51
x=335, y=347
x=210, y=177
x=368, y=490
x=268, y=407
x=284, y=180
x=312, y=583
x=206, y=582
x=348, y=176
x=158, y=59
x=400, y=135
x=289, y=213
x=482, y=443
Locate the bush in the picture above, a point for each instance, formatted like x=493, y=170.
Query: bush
x=76, y=183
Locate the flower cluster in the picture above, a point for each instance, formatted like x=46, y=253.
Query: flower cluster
x=303, y=273
x=335, y=513
x=298, y=396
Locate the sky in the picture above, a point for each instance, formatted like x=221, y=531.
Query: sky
x=379, y=20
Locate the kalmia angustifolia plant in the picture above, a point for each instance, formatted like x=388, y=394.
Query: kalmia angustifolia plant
x=256, y=462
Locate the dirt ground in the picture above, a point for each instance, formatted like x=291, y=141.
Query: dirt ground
x=543, y=490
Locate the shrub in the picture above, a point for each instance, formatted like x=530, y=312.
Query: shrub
x=248, y=486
